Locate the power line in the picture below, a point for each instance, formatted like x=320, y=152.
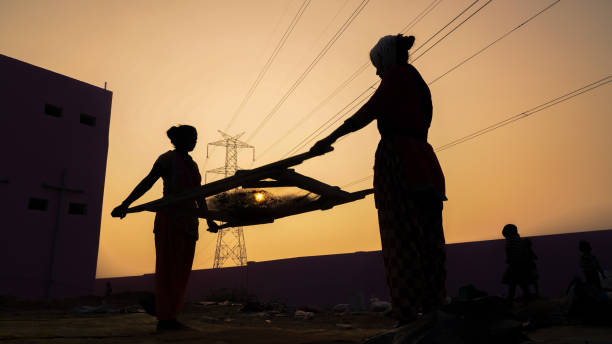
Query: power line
x=306, y=141
x=352, y=77
x=357, y=181
x=543, y=106
x=265, y=68
x=451, y=31
x=315, y=109
x=288, y=132
x=445, y=26
x=494, y=42
x=558, y=100
x=310, y=67
x=268, y=63
x=335, y=118
x=313, y=135
x=421, y=15
x=463, y=62
x=322, y=33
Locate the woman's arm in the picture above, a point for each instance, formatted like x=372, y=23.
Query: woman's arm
x=360, y=119
x=145, y=185
x=366, y=114
x=203, y=207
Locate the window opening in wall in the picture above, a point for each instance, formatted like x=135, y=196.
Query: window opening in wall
x=38, y=204
x=77, y=209
x=88, y=120
x=53, y=110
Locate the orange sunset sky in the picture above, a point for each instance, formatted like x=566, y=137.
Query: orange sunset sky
x=192, y=62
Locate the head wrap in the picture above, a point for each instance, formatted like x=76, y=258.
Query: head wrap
x=384, y=53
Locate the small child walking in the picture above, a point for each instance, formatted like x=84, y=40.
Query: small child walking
x=590, y=265
x=517, y=272
x=532, y=269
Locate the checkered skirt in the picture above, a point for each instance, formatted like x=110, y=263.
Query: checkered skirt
x=413, y=246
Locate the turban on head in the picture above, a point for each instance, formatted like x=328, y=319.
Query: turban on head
x=384, y=54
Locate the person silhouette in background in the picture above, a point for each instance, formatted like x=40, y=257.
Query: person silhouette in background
x=409, y=185
x=109, y=289
x=107, y=293
x=517, y=272
x=590, y=265
x=532, y=268
x=175, y=227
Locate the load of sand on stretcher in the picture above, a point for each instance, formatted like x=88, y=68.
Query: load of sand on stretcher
x=244, y=199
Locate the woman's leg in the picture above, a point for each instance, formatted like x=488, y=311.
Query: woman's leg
x=174, y=258
x=396, y=257
x=433, y=252
x=414, y=255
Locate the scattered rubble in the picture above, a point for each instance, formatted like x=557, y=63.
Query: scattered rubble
x=304, y=315
x=91, y=309
x=379, y=306
x=252, y=307
x=588, y=304
x=207, y=303
x=471, y=318
x=132, y=309
x=341, y=308
x=209, y=319
x=466, y=320
x=345, y=326
x=311, y=308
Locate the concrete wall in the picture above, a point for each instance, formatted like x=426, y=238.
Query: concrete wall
x=38, y=148
x=355, y=277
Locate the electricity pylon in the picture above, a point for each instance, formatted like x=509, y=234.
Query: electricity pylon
x=230, y=241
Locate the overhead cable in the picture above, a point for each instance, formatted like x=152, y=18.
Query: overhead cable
x=451, y=31
x=492, y=43
x=301, y=78
x=359, y=70
x=543, y=106
x=330, y=122
x=338, y=115
x=445, y=26
x=558, y=100
x=268, y=63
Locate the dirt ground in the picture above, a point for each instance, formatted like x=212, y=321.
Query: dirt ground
x=122, y=322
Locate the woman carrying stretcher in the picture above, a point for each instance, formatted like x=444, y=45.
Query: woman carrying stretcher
x=175, y=232
x=408, y=181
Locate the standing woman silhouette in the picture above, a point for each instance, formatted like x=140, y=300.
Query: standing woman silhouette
x=175, y=233
x=409, y=184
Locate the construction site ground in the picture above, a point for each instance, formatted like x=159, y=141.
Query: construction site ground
x=124, y=322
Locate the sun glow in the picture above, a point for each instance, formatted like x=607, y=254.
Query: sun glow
x=259, y=197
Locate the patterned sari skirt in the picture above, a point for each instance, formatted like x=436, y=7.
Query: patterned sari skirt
x=412, y=237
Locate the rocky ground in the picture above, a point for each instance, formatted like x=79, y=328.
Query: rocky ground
x=120, y=320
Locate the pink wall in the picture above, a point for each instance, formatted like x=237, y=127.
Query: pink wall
x=346, y=278
x=36, y=149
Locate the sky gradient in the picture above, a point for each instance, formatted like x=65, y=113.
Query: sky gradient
x=192, y=62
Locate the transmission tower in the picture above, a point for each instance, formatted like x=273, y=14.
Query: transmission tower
x=230, y=241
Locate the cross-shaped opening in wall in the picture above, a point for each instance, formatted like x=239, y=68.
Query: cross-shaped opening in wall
x=62, y=189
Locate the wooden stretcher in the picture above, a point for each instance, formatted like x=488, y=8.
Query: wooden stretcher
x=276, y=174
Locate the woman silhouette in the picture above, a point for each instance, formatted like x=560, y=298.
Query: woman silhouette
x=408, y=182
x=175, y=232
